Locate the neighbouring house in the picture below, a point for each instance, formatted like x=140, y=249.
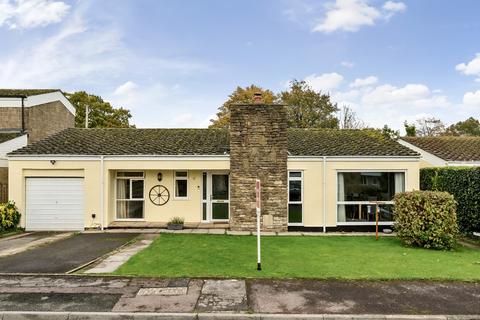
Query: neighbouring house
x=317, y=180
x=445, y=150
x=27, y=116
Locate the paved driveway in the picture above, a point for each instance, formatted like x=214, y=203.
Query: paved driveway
x=64, y=255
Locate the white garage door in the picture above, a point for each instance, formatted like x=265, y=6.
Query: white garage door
x=54, y=204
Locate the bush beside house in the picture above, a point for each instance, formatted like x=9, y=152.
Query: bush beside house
x=426, y=219
x=9, y=216
x=464, y=184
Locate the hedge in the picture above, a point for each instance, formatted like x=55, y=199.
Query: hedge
x=9, y=216
x=426, y=219
x=464, y=184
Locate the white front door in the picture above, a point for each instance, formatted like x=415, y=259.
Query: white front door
x=216, y=197
x=54, y=204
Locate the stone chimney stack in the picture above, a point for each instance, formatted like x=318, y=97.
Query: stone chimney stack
x=258, y=150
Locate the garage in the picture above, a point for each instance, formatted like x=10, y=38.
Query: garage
x=54, y=204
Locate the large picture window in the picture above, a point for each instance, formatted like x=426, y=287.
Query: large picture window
x=357, y=192
x=295, y=197
x=130, y=195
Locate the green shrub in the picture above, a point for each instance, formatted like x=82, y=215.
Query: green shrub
x=464, y=184
x=9, y=216
x=426, y=219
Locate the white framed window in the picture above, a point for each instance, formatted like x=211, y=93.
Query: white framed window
x=358, y=192
x=130, y=195
x=181, y=185
x=295, y=197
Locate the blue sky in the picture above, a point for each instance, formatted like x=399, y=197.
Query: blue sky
x=174, y=62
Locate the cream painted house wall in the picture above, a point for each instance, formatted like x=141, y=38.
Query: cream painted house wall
x=313, y=183
x=191, y=209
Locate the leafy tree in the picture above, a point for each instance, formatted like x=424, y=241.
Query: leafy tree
x=101, y=113
x=240, y=95
x=307, y=108
x=469, y=127
x=389, y=133
x=348, y=119
x=430, y=127
x=410, y=129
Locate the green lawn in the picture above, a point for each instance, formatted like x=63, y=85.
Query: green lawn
x=188, y=255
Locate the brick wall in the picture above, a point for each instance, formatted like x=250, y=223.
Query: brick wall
x=10, y=118
x=46, y=119
x=258, y=149
x=3, y=184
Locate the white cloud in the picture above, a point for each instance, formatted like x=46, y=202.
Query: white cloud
x=351, y=15
x=412, y=95
x=347, y=64
x=24, y=14
x=472, y=99
x=471, y=68
x=324, y=82
x=365, y=82
x=394, y=6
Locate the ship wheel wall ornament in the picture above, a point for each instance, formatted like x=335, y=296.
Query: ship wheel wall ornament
x=159, y=195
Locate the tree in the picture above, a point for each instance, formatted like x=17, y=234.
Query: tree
x=410, y=129
x=307, y=108
x=389, y=133
x=240, y=95
x=469, y=127
x=101, y=113
x=348, y=119
x=430, y=127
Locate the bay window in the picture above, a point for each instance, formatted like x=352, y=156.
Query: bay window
x=358, y=192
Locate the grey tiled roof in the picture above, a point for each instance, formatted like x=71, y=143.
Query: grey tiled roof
x=333, y=142
x=5, y=136
x=449, y=148
x=24, y=92
x=76, y=141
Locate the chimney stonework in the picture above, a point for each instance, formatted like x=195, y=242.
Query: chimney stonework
x=258, y=149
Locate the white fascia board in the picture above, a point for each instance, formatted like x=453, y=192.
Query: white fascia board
x=427, y=156
x=12, y=145
x=117, y=158
x=463, y=163
x=353, y=158
x=38, y=99
x=49, y=97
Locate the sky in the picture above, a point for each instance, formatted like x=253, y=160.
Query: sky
x=173, y=63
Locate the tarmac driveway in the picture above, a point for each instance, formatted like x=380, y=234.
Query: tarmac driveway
x=64, y=255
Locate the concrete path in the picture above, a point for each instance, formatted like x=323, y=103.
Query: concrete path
x=118, y=258
x=64, y=255
x=238, y=297
x=23, y=242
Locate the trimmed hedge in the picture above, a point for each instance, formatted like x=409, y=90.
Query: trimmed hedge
x=464, y=184
x=426, y=219
x=9, y=216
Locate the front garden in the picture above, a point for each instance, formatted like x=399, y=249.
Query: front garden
x=341, y=257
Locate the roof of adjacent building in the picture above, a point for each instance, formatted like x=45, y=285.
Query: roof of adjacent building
x=24, y=92
x=449, y=148
x=301, y=142
x=5, y=136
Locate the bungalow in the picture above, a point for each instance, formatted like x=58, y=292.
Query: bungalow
x=445, y=150
x=312, y=179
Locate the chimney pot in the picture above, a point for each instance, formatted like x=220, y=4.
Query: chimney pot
x=257, y=98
